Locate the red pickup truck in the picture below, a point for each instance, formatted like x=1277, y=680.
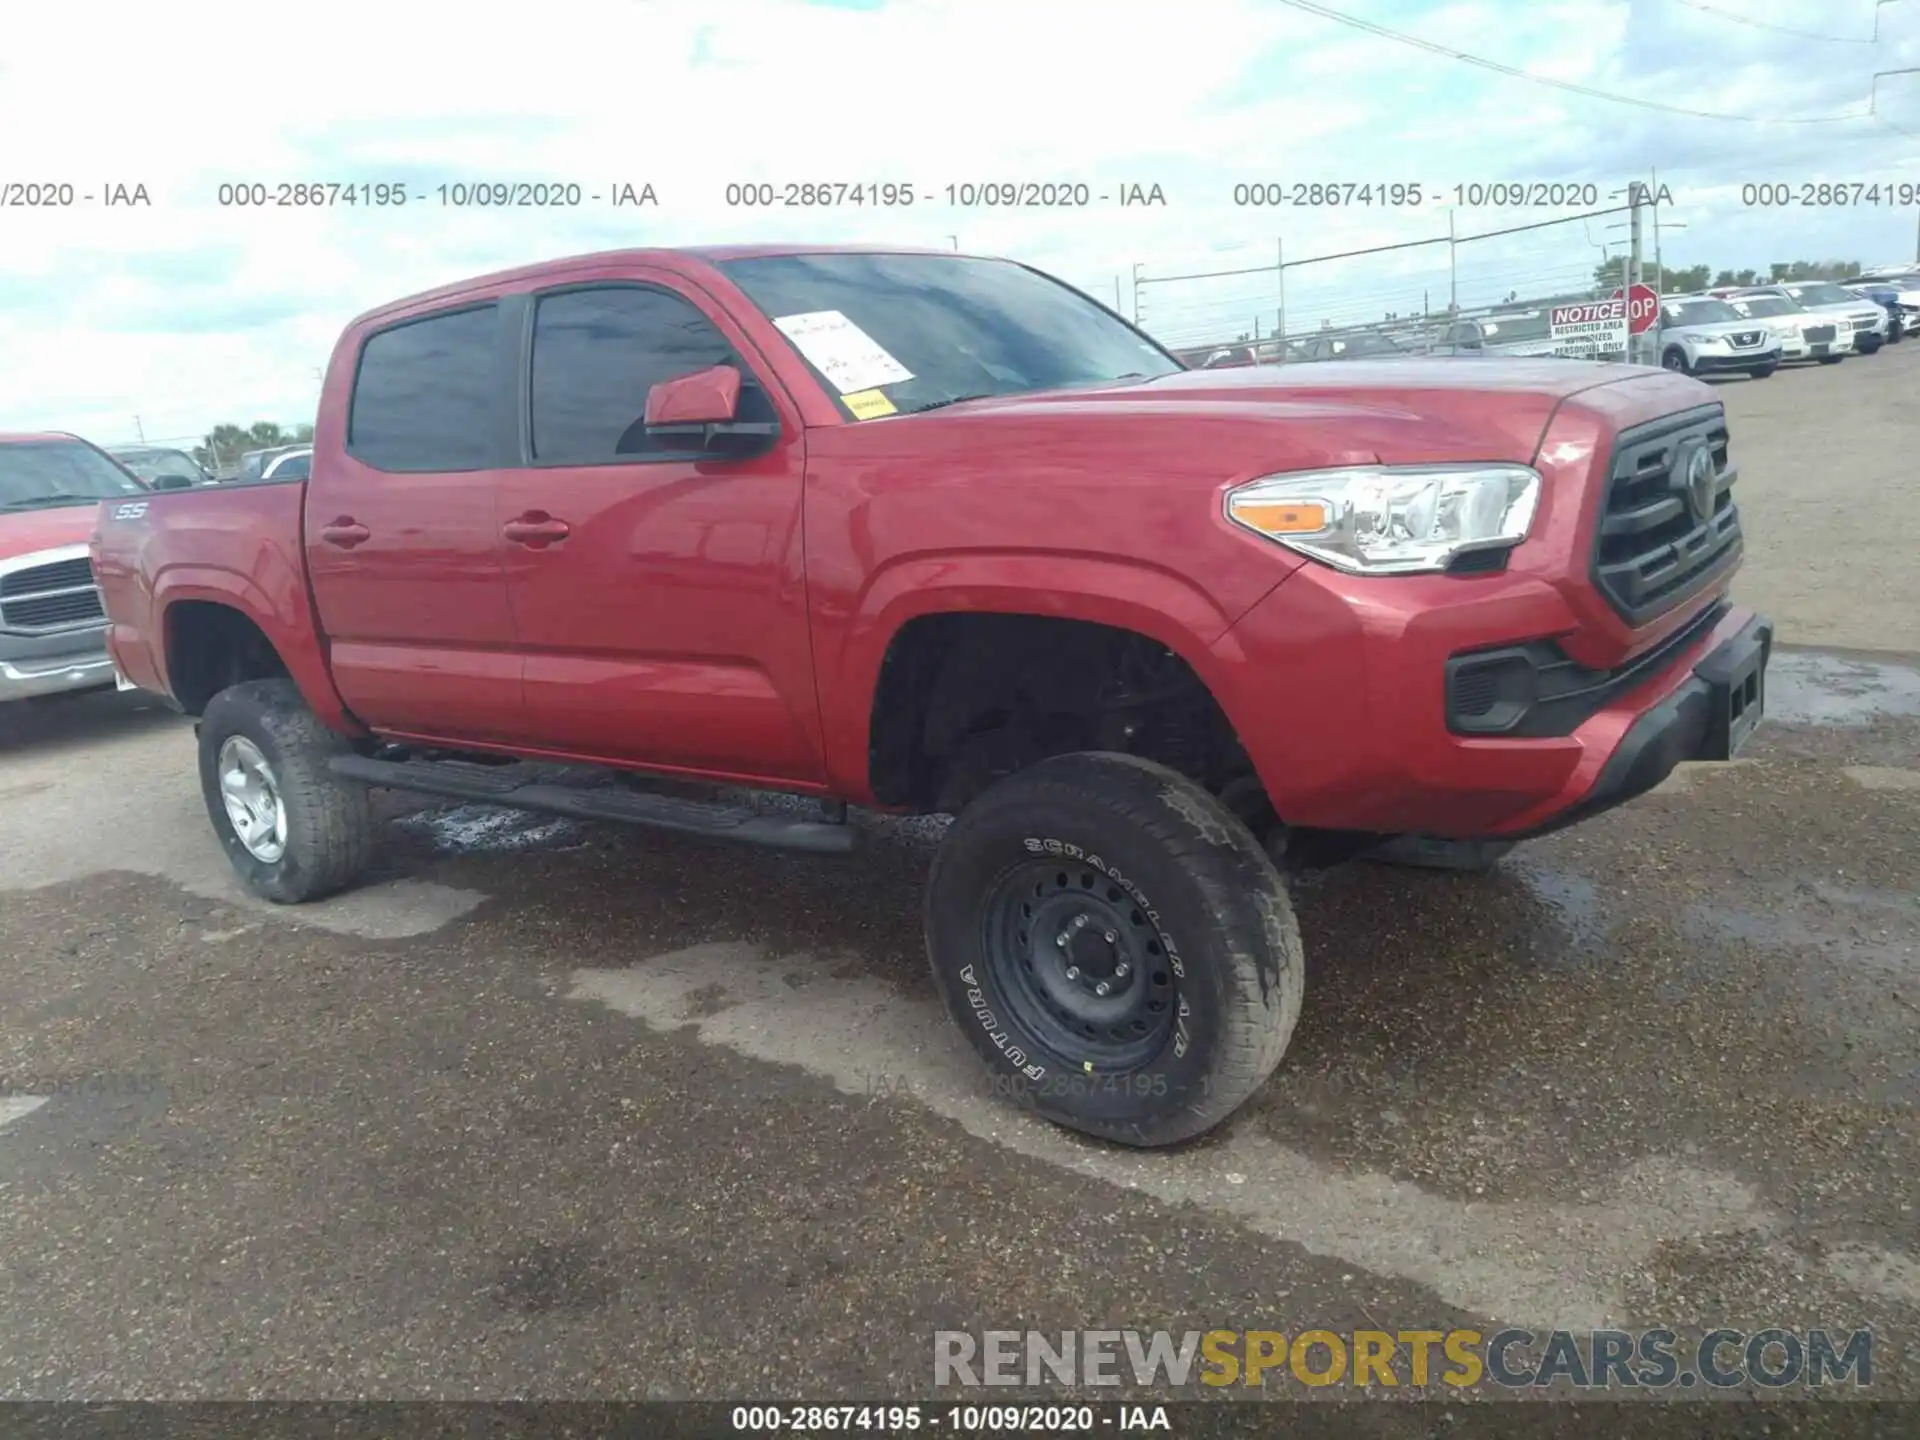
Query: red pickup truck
x=926, y=532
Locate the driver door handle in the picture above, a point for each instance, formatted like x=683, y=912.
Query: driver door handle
x=536, y=529
x=346, y=532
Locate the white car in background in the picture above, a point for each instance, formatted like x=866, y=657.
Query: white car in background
x=1824, y=298
x=294, y=464
x=1700, y=335
x=1803, y=335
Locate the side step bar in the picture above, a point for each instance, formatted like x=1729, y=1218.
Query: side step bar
x=663, y=812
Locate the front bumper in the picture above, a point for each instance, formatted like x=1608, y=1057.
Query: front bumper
x=1706, y=717
x=1733, y=362
x=54, y=664
x=1336, y=686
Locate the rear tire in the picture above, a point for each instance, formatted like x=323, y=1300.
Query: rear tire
x=292, y=829
x=1187, y=925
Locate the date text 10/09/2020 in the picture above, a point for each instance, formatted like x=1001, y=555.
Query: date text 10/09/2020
x=451, y=194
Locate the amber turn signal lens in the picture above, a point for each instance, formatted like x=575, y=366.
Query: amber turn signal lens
x=1274, y=517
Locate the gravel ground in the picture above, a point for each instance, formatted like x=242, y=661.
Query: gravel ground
x=560, y=1110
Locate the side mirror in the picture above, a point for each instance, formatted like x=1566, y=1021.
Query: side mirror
x=701, y=409
x=172, y=482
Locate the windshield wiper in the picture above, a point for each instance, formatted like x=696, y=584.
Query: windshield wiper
x=48, y=502
x=942, y=404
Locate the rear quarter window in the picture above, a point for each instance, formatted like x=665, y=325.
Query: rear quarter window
x=425, y=393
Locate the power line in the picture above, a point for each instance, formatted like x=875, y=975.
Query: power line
x=1308, y=7
x=1776, y=29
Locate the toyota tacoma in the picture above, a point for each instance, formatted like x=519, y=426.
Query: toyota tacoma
x=636, y=535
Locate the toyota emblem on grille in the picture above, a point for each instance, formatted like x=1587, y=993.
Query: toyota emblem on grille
x=1697, y=480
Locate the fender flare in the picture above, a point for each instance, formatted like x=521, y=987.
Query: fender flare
x=277, y=604
x=1124, y=594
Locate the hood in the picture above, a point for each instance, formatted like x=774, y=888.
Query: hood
x=1418, y=410
x=25, y=531
x=1726, y=329
x=1862, y=307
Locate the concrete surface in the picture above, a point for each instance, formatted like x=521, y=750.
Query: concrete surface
x=1827, y=457
x=559, y=1110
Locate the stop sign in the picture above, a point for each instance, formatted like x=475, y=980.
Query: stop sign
x=1643, y=307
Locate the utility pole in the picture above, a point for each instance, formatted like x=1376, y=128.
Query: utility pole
x=139, y=430
x=1659, y=270
x=1635, y=198
x=1280, y=270
x=1116, y=294
x=1453, y=269
x=1136, y=292
x=956, y=241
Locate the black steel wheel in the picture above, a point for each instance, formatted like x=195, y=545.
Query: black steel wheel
x=1079, y=963
x=1116, y=947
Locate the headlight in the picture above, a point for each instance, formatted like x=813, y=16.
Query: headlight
x=1709, y=339
x=1390, y=520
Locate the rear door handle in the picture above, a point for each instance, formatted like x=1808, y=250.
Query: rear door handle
x=536, y=529
x=346, y=532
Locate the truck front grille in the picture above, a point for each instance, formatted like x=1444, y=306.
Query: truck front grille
x=59, y=595
x=1819, y=334
x=1654, y=549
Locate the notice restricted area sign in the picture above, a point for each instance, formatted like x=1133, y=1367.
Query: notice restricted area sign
x=1593, y=330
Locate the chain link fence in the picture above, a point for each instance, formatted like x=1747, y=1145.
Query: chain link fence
x=1490, y=290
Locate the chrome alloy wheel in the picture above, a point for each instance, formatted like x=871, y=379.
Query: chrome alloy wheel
x=254, y=807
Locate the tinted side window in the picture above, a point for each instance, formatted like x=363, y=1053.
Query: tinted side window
x=293, y=467
x=596, y=353
x=424, y=397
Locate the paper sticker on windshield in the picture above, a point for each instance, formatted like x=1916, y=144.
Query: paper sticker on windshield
x=840, y=350
x=868, y=404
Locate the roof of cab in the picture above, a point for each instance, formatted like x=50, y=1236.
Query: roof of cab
x=682, y=259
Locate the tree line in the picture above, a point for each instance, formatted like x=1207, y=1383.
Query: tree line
x=225, y=444
x=1676, y=281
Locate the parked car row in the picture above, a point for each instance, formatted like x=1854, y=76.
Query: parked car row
x=1750, y=330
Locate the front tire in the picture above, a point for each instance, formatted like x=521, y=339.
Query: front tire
x=1831, y=359
x=292, y=829
x=1675, y=359
x=1761, y=372
x=1116, y=947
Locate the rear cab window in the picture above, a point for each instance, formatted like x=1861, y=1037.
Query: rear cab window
x=425, y=393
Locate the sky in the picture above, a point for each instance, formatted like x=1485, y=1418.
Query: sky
x=167, y=318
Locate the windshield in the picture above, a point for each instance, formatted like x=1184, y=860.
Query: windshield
x=40, y=475
x=1821, y=295
x=152, y=464
x=1502, y=328
x=1758, y=307
x=927, y=330
x=1698, y=312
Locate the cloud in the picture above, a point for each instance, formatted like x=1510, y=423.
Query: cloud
x=190, y=312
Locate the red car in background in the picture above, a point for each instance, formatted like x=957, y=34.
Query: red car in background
x=52, y=625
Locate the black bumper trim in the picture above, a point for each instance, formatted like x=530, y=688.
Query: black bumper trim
x=1684, y=726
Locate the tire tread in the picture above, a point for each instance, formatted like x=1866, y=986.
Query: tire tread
x=1238, y=880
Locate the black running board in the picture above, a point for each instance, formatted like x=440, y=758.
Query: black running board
x=662, y=812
